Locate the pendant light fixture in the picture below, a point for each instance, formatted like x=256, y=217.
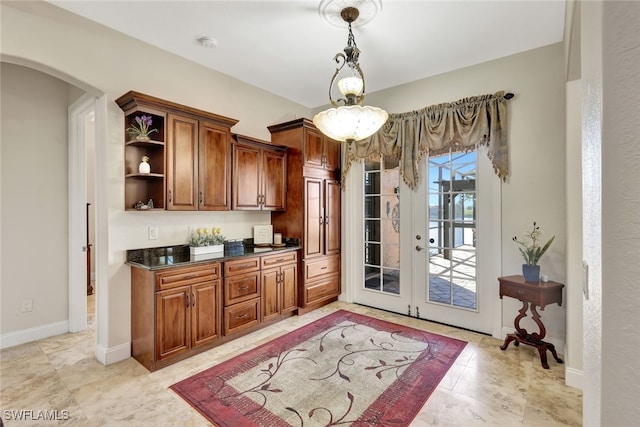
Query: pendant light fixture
x=349, y=120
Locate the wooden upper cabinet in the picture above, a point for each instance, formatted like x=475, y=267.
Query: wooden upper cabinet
x=332, y=154
x=259, y=175
x=274, y=182
x=214, y=184
x=321, y=151
x=314, y=148
x=246, y=177
x=190, y=156
x=182, y=163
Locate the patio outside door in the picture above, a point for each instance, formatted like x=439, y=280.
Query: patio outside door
x=453, y=219
x=423, y=248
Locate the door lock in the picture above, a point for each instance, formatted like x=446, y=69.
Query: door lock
x=419, y=248
x=418, y=237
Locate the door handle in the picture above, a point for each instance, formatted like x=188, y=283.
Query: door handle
x=419, y=248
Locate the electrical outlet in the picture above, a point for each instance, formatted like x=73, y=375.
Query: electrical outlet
x=153, y=233
x=27, y=305
x=192, y=230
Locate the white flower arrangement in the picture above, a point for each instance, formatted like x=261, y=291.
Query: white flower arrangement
x=206, y=237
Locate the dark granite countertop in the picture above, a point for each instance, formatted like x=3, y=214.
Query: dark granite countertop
x=177, y=256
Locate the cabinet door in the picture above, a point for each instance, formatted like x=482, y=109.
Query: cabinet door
x=289, y=286
x=206, y=318
x=332, y=216
x=313, y=217
x=214, y=172
x=332, y=154
x=274, y=180
x=246, y=177
x=270, y=294
x=182, y=163
x=313, y=148
x=172, y=322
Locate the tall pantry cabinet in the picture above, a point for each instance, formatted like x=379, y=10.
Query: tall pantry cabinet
x=313, y=208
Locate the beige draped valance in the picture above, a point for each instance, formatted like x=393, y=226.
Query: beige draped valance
x=460, y=126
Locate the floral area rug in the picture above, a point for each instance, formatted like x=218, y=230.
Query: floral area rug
x=343, y=369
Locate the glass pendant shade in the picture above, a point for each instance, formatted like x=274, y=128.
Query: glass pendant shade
x=350, y=123
x=351, y=86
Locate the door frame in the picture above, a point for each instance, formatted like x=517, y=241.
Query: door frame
x=352, y=238
x=77, y=199
x=77, y=187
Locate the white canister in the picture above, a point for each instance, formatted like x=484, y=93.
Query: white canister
x=144, y=166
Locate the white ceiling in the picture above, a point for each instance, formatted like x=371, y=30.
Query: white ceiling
x=286, y=48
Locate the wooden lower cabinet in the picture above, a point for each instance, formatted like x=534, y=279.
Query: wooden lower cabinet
x=187, y=317
x=321, y=280
x=242, y=288
x=180, y=311
x=279, y=286
x=175, y=313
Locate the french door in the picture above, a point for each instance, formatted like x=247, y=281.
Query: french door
x=432, y=253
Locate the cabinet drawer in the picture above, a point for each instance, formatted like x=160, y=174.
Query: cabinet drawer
x=174, y=277
x=239, y=266
x=324, y=289
x=278, y=259
x=325, y=265
x=241, y=316
x=540, y=294
x=241, y=287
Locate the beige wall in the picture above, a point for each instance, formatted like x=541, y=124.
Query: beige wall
x=34, y=199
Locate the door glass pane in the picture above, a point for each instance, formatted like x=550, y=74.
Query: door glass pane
x=382, y=225
x=452, y=240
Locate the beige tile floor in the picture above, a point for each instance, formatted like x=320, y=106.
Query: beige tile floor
x=485, y=386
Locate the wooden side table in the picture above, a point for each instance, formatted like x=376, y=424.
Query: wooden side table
x=531, y=294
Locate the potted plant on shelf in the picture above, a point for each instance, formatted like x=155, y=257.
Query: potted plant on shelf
x=205, y=241
x=143, y=129
x=531, y=252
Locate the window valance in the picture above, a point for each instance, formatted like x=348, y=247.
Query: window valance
x=461, y=126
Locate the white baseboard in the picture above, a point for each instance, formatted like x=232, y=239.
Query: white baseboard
x=11, y=339
x=573, y=378
x=108, y=356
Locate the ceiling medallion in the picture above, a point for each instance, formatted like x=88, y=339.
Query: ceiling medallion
x=330, y=11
